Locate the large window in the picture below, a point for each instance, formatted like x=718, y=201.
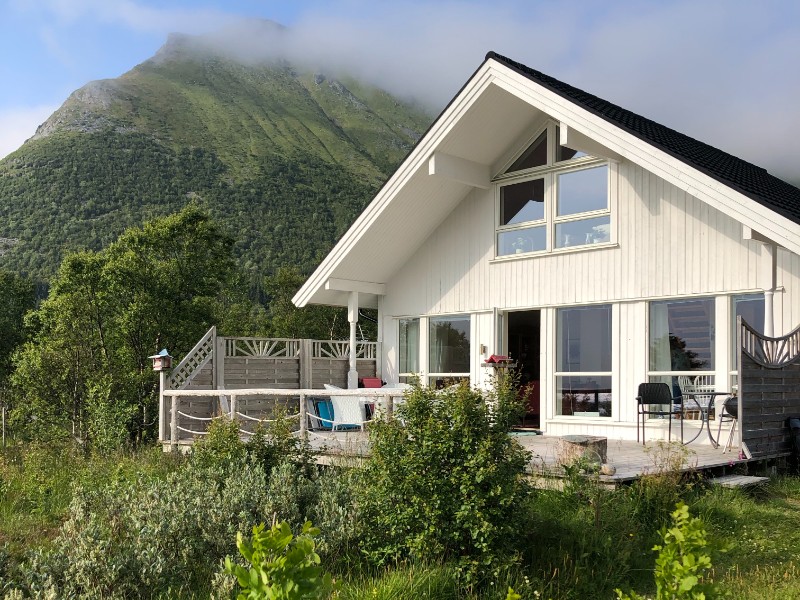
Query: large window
x=681, y=340
x=552, y=197
x=583, y=361
x=448, y=350
x=408, y=349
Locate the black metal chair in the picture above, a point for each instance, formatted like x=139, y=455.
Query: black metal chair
x=652, y=395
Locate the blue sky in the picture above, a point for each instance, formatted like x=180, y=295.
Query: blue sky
x=724, y=71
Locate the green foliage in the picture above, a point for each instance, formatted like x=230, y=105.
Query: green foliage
x=291, y=494
x=16, y=298
x=138, y=539
x=337, y=512
x=405, y=581
x=286, y=320
x=282, y=566
x=221, y=446
x=85, y=370
x=446, y=481
x=37, y=483
x=683, y=565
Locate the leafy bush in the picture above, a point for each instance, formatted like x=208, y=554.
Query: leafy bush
x=683, y=565
x=445, y=480
x=133, y=540
x=282, y=567
x=291, y=494
x=337, y=513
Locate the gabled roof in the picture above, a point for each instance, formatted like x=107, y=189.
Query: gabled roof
x=494, y=114
x=749, y=179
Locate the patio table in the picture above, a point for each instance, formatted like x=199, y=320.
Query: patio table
x=705, y=404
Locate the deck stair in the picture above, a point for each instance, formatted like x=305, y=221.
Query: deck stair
x=739, y=481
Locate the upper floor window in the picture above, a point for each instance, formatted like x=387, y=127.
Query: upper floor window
x=549, y=199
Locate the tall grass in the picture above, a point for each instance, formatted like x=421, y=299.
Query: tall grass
x=37, y=483
x=579, y=540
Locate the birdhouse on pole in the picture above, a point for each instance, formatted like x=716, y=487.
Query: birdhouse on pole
x=161, y=361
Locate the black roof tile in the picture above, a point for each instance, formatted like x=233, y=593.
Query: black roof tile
x=740, y=175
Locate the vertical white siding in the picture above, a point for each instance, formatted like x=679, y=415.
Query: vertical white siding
x=669, y=244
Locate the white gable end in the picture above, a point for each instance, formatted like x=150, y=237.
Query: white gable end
x=489, y=118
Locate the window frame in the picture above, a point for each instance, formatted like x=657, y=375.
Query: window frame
x=425, y=376
x=558, y=374
x=549, y=173
x=431, y=376
x=660, y=375
x=408, y=374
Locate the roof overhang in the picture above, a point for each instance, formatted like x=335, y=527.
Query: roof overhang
x=492, y=115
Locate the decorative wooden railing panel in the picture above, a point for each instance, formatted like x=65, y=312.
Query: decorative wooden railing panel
x=769, y=390
x=770, y=352
x=194, y=363
x=341, y=349
x=262, y=347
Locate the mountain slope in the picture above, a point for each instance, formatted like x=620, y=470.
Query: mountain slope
x=285, y=157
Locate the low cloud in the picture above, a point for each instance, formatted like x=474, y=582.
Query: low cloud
x=722, y=71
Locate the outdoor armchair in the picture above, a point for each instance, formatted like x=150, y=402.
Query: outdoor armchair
x=656, y=400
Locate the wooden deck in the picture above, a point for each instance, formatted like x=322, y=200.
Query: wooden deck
x=632, y=460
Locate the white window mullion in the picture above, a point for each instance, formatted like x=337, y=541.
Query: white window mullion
x=424, y=349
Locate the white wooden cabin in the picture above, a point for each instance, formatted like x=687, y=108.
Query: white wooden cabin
x=596, y=248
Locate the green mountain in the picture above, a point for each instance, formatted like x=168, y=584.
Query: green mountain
x=286, y=157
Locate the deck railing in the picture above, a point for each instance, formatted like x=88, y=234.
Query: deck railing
x=189, y=412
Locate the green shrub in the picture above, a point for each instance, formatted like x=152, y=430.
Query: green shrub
x=683, y=565
x=445, y=481
x=134, y=540
x=337, y=513
x=109, y=421
x=291, y=494
x=282, y=567
x=222, y=444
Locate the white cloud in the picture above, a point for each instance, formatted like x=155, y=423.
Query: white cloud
x=723, y=71
x=18, y=124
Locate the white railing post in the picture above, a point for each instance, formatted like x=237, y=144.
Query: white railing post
x=162, y=417
x=303, y=417
x=234, y=406
x=173, y=424
x=389, y=401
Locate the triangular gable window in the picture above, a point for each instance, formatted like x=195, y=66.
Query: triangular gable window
x=534, y=156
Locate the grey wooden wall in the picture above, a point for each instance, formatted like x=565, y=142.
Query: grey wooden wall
x=769, y=387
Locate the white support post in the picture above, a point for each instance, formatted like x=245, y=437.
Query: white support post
x=352, y=316
x=234, y=406
x=173, y=424
x=771, y=251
